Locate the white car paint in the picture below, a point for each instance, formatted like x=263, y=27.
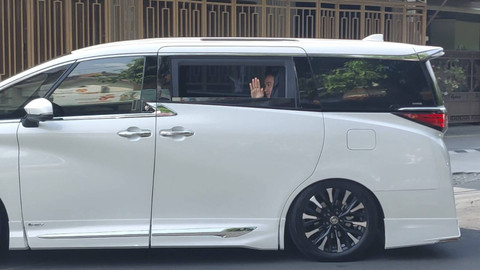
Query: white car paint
x=79, y=178
x=79, y=184
x=237, y=169
x=408, y=171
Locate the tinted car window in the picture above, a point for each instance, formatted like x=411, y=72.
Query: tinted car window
x=107, y=86
x=15, y=97
x=226, y=80
x=353, y=84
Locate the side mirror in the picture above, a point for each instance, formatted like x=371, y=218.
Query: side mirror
x=38, y=110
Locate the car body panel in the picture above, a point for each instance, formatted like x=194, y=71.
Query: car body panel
x=10, y=189
x=420, y=188
x=80, y=179
x=236, y=170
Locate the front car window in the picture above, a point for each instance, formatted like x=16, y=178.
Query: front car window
x=107, y=86
x=354, y=84
x=15, y=97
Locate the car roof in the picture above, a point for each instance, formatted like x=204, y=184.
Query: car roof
x=366, y=47
x=371, y=46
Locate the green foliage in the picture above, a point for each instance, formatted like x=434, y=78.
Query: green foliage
x=353, y=74
x=450, y=75
x=133, y=74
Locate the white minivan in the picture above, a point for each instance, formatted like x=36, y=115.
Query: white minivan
x=227, y=142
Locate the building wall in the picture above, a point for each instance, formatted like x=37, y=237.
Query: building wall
x=34, y=31
x=455, y=35
x=467, y=36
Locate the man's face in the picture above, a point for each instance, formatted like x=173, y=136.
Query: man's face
x=269, y=80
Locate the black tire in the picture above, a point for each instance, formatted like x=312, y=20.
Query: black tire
x=333, y=220
x=4, y=233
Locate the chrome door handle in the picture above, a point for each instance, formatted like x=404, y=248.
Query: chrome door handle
x=171, y=133
x=135, y=132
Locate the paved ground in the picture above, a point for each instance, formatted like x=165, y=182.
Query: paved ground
x=463, y=137
x=463, y=142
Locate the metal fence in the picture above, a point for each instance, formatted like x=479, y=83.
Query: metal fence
x=33, y=31
x=458, y=75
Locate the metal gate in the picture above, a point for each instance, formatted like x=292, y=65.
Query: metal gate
x=458, y=75
x=33, y=31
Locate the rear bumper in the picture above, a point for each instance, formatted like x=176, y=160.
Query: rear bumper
x=405, y=232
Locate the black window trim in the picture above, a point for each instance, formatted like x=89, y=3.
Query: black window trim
x=285, y=61
x=61, y=79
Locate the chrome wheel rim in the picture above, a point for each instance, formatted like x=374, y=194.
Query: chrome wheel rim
x=334, y=220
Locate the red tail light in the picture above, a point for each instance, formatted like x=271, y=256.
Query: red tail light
x=437, y=120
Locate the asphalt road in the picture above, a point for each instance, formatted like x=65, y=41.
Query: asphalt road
x=463, y=137
x=461, y=255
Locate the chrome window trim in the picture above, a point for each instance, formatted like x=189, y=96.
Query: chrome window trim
x=10, y=121
x=162, y=112
x=219, y=232
x=103, y=117
x=427, y=109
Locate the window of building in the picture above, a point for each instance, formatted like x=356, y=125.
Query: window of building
x=107, y=86
x=15, y=97
x=355, y=84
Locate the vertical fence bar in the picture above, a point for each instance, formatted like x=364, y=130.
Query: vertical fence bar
x=49, y=28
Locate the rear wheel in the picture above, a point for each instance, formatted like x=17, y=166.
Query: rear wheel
x=333, y=220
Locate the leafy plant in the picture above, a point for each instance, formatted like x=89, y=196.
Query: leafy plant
x=450, y=75
x=353, y=74
x=133, y=74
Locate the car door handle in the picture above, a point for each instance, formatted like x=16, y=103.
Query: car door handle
x=135, y=132
x=172, y=133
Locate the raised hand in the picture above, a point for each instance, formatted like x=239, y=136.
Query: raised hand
x=255, y=90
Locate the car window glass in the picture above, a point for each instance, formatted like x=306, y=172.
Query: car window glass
x=353, y=84
x=107, y=86
x=164, y=80
x=15, y=97
x=227, y=81
x=305, y=81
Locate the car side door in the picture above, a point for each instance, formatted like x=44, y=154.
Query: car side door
x=86, y=175
x=226, y=163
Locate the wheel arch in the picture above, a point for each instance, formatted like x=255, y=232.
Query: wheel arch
x=284, y=237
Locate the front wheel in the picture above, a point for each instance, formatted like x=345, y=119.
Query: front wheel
x=3, y=235
x=333, y=220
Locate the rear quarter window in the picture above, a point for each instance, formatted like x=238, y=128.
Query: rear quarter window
x=356, y=84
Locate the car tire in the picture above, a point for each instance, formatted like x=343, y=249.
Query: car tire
x=333, y=220
x=4, y=233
